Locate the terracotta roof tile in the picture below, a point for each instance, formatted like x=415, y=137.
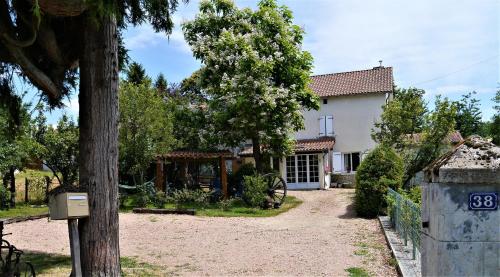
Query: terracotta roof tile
x=303, y=146
x=453, y=138
x=197, y=155
x=376, y=80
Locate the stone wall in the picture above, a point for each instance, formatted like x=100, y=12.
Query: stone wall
x=343, y=180
x=458, y=241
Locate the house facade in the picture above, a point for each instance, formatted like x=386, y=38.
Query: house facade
x=338, y=135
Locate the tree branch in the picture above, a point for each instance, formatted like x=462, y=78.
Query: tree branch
x=62, y=7
x=49, y=44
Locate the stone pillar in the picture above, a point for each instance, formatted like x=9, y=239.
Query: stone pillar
x=460, y=216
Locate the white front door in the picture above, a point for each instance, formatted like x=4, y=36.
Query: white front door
x=302, y=171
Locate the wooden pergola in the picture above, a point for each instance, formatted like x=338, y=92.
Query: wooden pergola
x=185, y=157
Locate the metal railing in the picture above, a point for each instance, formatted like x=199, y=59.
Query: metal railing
x=405, y=218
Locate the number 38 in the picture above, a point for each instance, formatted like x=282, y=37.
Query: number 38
x=485, y=201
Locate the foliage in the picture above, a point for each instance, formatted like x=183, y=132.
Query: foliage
x=254, y=191
x=357, y=272
x=136, y=74
x=61, y=150
x=468, y=116
x=414, y=194
x=160, y=199
x=382, y=168
x=37, y=190
x=161, y=84
x=438, y=124
x=186, y=196
x=146, y=194
x=4, y=197
x=406, y=118
x=495, y=124
x=254, y=72
x=237, y=177
x=145, y=129
x=402, y=117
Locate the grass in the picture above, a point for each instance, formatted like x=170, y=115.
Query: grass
x=236, y=209
x=361, y=252
x=60, y=265
x=30, y=174
x=22, y=210
x=357, y=272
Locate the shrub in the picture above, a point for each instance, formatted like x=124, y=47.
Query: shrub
x=37, y=193
x=4, y=197
x=254, y=190
x=145, y=194
x=185, y=196
x=160, y=199
x=414, y=194
x=235, y=179
x=382, y=168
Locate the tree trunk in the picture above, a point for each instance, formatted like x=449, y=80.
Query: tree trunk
x=98, y=118
x=12, y=186
x=257, y=156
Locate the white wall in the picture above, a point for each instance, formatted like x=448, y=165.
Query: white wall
x=353, y=119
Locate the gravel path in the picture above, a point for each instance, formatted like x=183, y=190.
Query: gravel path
x=321, y=237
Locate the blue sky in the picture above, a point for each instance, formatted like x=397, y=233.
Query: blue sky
x=447, y=47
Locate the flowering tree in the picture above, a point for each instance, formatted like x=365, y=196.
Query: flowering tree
x=254, y=72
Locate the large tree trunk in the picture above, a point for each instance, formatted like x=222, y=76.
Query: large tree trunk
x=99, y=146
x=257, y=155
x=12, y=177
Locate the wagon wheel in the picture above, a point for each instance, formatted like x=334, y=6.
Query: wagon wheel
x=276, y=189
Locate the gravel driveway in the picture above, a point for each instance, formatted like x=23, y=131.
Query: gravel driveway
x=321, y=237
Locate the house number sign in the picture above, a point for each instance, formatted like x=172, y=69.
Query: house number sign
x=483, y=201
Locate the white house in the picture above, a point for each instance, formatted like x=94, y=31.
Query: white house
x=338, y=135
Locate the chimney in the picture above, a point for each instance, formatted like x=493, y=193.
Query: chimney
x=380, y=65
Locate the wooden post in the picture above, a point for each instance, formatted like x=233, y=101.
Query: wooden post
x=74, y=244
x=26, y=186
x=159, y=175
x=223, y=177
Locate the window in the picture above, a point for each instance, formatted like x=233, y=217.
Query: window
x=313, y=169
x=326, y=125
x=290, y=169
x=325, y=101
x=351, y=161
x=302, y=169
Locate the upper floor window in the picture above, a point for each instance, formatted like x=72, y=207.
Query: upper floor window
x=326, y=125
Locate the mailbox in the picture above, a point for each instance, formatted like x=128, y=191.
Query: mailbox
x=68, y=205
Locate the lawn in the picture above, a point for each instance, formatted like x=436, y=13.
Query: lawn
x=235, y=209
x=60, y=265
x=22, y=210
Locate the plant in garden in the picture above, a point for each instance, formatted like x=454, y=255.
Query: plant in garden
x=254, y=191
x=407, y=115
x=186, y=196
x=61, y=153
x=37, y=190
x=468, y=116
x=145, y=129
x=495, y=124
x=382, y=168
x=58, y=44
x=402, y=117
x=254, y=72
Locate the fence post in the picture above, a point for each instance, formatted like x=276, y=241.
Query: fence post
x=26, y=187
x=47, y=187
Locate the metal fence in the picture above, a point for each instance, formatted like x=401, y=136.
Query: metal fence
x=405, y=218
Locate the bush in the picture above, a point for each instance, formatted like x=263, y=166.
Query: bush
x=145, y=194
x=185, y=196
x=37, y=190
x=254, y=190
x=160, y=199
x=414, y=194
x=382, y=168
x=235, y=179
x=4, y=198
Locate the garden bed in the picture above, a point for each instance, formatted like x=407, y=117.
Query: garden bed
x=231, y=209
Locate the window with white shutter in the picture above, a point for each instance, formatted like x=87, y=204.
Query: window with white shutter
x=322, y=126
x=329, y=125
x=337, y=162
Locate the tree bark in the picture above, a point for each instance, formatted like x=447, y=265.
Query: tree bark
x=98, y=144
x=257, y=155
x=12, y=186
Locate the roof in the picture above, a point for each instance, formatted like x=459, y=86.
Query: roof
x=303, y=146
x=197, y=155
x=376, y=80
x=453, y=138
